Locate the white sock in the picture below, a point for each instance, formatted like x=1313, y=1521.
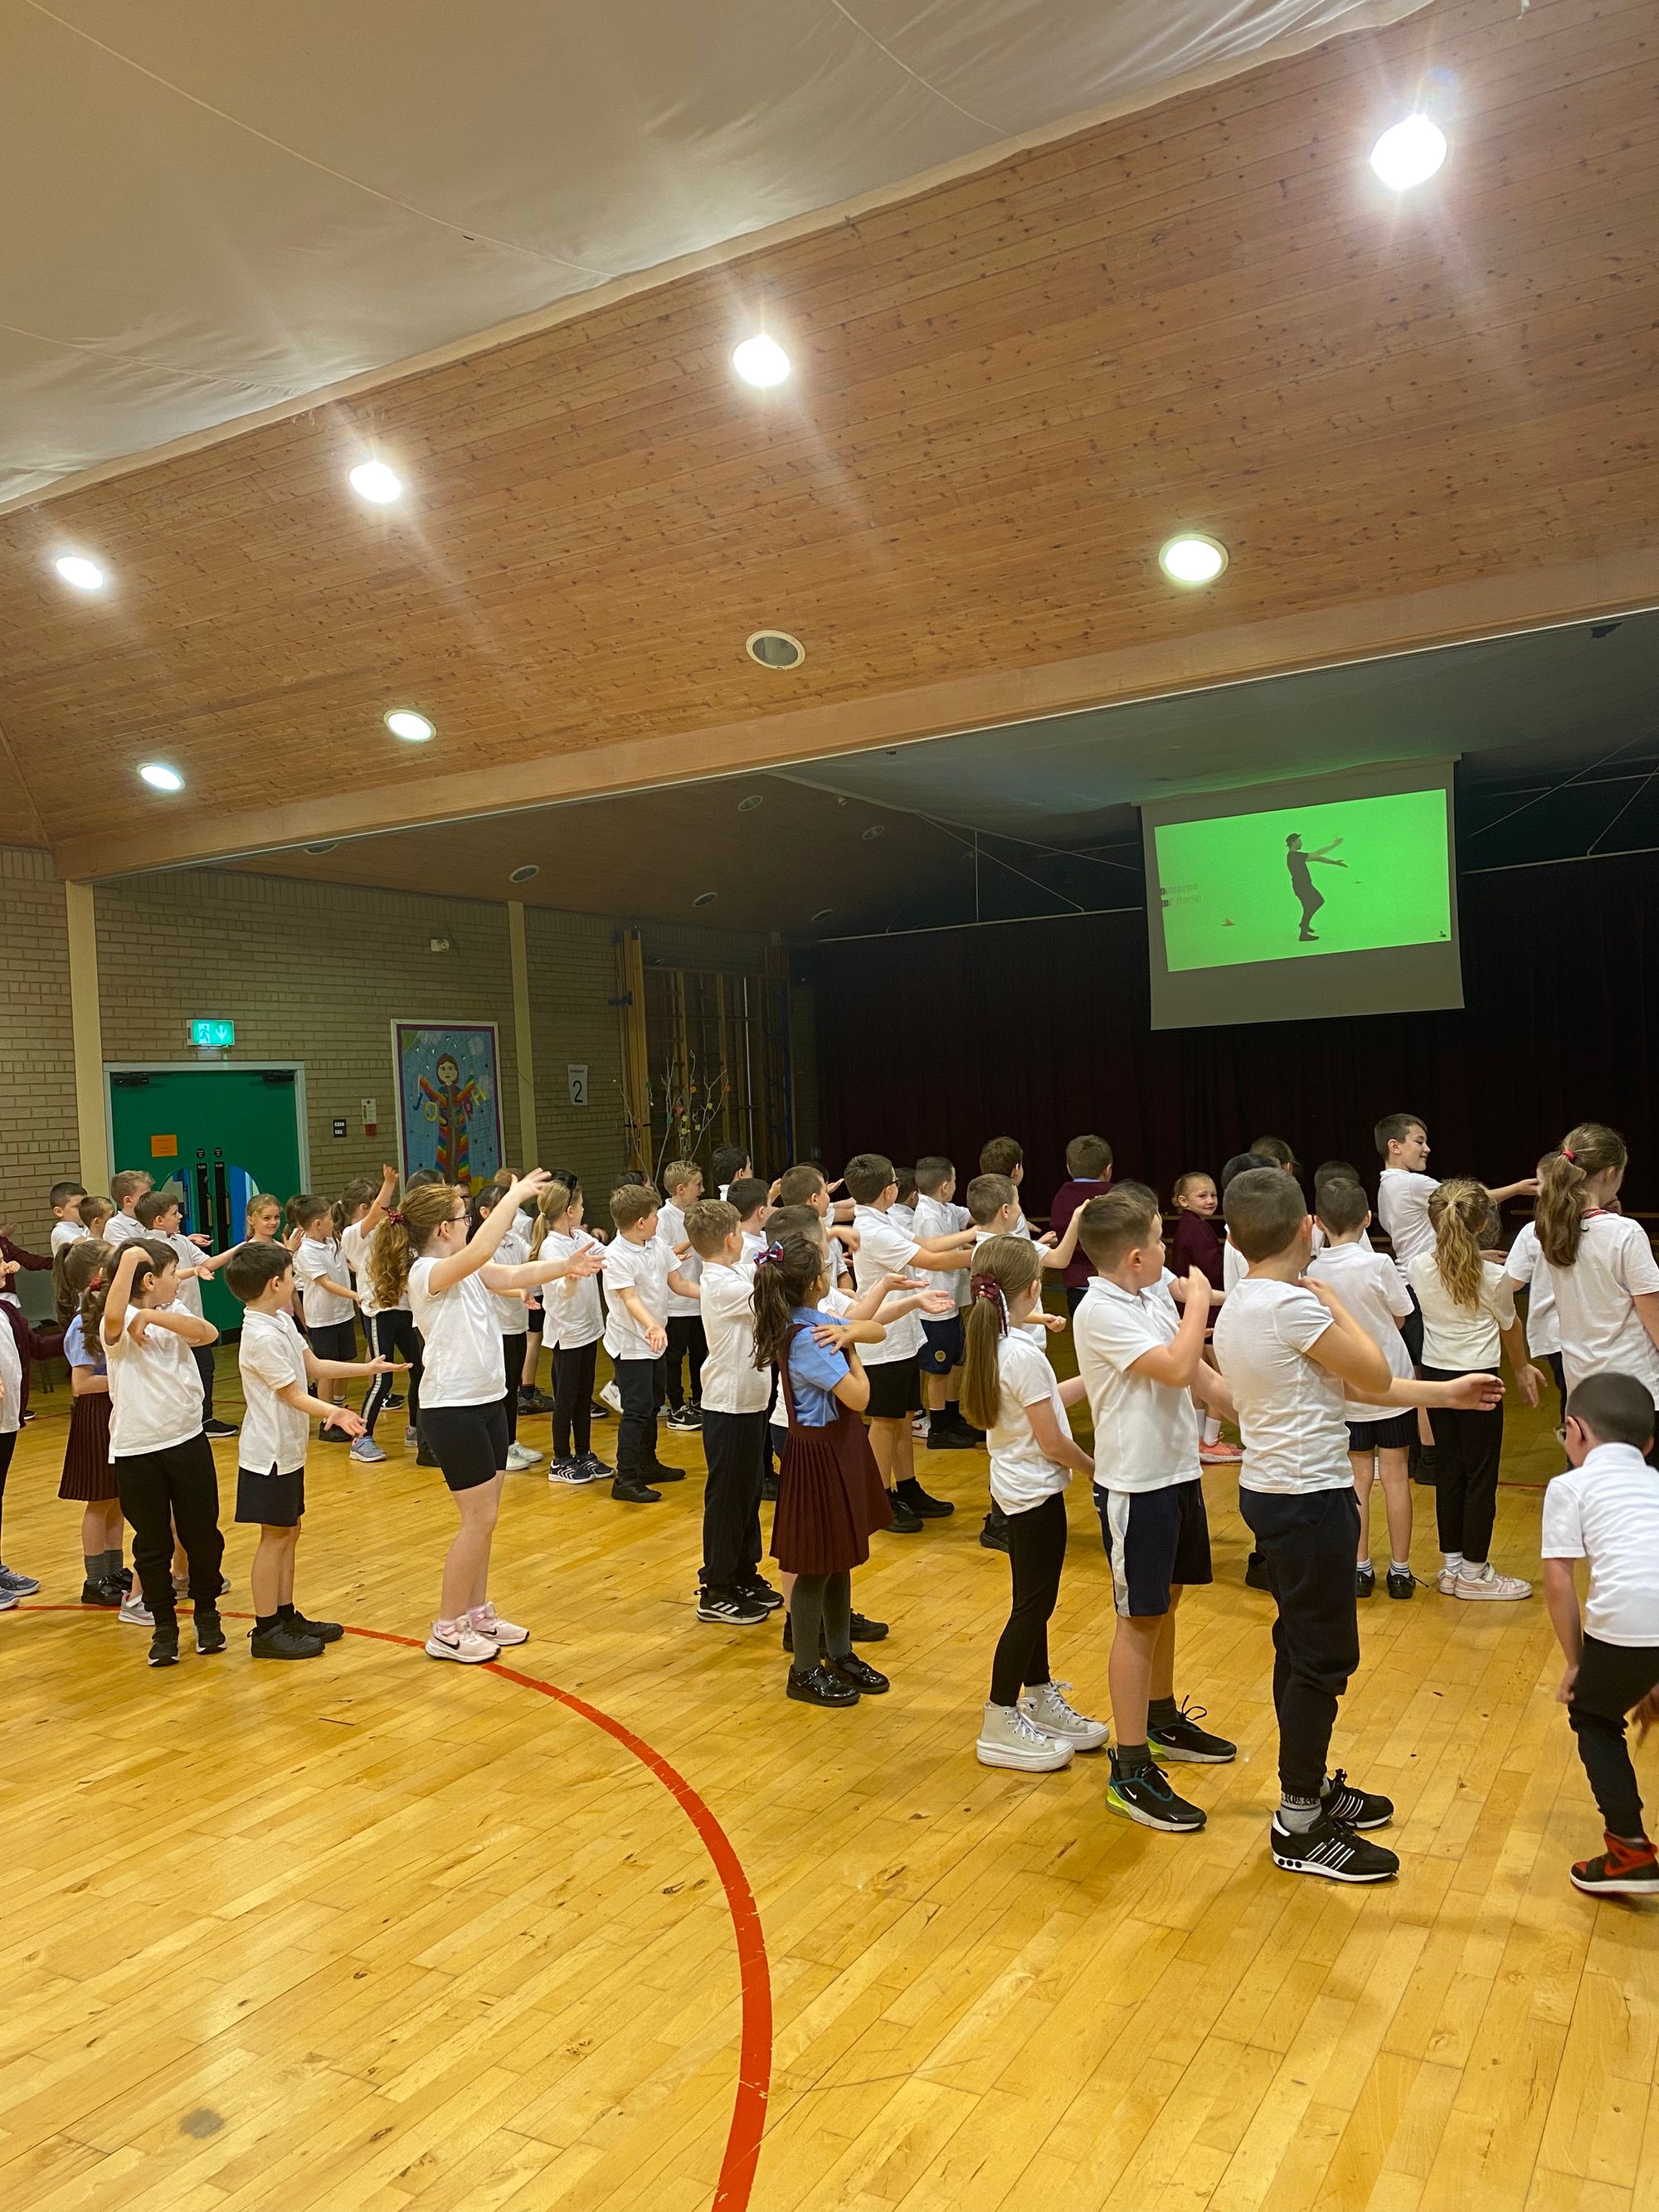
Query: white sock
x=1211, y=1430
x=1399, y=1566
x=1453, y=1560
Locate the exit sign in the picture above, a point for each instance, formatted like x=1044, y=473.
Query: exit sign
x=211, y=1034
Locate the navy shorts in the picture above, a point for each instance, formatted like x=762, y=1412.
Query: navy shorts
x=273, y=1500
x=1397, y=1434
x=1157, y=1541
x=942, y=1348
x=895, y=1389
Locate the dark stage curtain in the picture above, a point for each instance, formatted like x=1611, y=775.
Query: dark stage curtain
x=1039, y=1030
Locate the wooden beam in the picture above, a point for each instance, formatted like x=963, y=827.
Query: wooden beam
x=86, y=1031
x=524, y=1056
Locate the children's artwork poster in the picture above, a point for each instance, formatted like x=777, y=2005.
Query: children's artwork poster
x=449, y=1089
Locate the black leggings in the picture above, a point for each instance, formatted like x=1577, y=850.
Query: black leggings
x=820, y=1605
x=687, y=1342
x=8, y=1446
x=512, y=1363
x=1036, y=1552
x=573, y=1399
x=164, y=1492
x=1611, y=1679
x=393, y=1335
x=1467, y=1447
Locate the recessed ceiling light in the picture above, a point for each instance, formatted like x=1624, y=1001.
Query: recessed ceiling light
x=327, y=845
x=1409, y=153
x=761, y=360
x=523, y=875
x=160, y=777
x=775, y=648
x=823, y=914
x=85, y=575
x=747, y=805
x=1192, y=558
x=404, y=722
x=705, y=899
x=374, y=482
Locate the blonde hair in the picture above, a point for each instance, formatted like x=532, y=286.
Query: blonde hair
x=555, y=1202
x=405, y=1234
x=677, y=1174
x=1458, y=1213
x=1003, y=1268
x=1590, y=1149
x=262, y=1201
x=130, y=1182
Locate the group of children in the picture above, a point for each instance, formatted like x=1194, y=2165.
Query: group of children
x=784, y=1317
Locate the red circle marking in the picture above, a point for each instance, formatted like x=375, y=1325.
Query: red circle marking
x=743, y=2138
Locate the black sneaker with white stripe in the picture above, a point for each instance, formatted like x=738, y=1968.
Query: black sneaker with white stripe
x=1354, y=1808
x=1333, y=1849
x=733, y=1608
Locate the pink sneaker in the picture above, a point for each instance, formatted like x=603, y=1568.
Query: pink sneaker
x=1220, y=1453
x=1485, y=1582
x=484, y=1620
x=456, y=1639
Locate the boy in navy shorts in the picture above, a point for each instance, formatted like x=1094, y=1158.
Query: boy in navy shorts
x=938, y=1216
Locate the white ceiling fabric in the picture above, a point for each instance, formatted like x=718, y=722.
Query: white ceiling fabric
x=215, y=209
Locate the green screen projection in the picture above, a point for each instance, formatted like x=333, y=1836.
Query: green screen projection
x=1350, y=875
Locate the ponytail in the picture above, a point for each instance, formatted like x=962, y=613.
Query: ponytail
x=403, y=1236
x=157, y=1256
x=1590, y=1149
x=782, y=1283
x=1459, y=1212
x=354, y=1194
x=77, y=1267
x=1003, y=1268
x=556, y=1201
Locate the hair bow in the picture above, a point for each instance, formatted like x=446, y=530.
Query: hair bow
x=771, y=1257
x=988, y=1288
x=394, y=1214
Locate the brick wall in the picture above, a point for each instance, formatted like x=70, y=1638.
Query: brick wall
x=38, y=1144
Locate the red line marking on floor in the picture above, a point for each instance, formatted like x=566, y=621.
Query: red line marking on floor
x=743, y=2140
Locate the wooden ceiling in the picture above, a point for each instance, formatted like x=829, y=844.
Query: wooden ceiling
x=1409, y=420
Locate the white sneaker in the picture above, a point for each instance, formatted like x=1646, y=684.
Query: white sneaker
x=612, y=1396
x=456, y=1639
x=1009, y=1737
x=1446, y=1582
x=135, y=1612
x=366, y=1451
x=519, y=1456
x=484, y=1620
x=1048, y=1709
x=1487, y=1583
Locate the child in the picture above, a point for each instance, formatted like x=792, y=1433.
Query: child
x=1372, y=1288
x=1006, y=1156
x=263, y=1219
x=95, y=1214
x=277, y=1368
x=1196, y=1245
x=805, y=1185
x=683, y=1181
x=328, y=1301
x=1286, y=1348
x=64, y=1200
x=512, y=1319
x=88, y=1476
x=748, y=1194
x=993, y=1210
x=903, y=1208
x=1141, y=1365
x=575, y=1321
x=1526, y=1271
x=1089, y=1172
x=1468, y=1306
x=164, y=1471
x=1601, y=1266
x=1606, y=1510
x=1014, y=1393
x=391, y=1330
x=731, y=1587
x=731, y=1162
x=829, y=1491
x=15, y=1586
x=127, y=1189
x=942, y=1343
x=160, y=1214
x=893, y=1367
x=450, y=1277
x=1403, y=1190
x=639, y=1273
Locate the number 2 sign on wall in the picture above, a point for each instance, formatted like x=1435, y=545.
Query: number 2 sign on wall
x=576, y=1073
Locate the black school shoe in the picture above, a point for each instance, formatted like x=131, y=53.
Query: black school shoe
x=993, y=1535
x=1364, y=1581
x=1182, y=1741
x=859, y=1672
x=287, y=1640
x=1256, y=1573
x=209, y=1632
x=106, y=1594
x=906, y=1521
x=1401, y=1581
x=626, y=1491
x=930, y=1509
x=820, y=1687
x=860, y=1629
x=944, y=1435
x=769, y=1489
x=533, y=1400
x=1332, y=1850
x=164, y=1645
x=326, y=1631
x=1354, y=1808
x=659, y=1472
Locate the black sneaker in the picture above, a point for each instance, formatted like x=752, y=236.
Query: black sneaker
x=164, y=1645
x=394, y=1403
x=930, y=1509
x=907, y=1522
x=105, y=1594
x=769, y=1488
x=209, y=1632
x=949, y=1435
x=863, y=1676
x=424, y=1458
x=1401, y=1581
x=1622, y=1870
x=1255, y=1572
x=1330, y=1849
x=326, y=1631
x=731, y=1608
x=1354, y=1808
x=993, y=1535
x=626, y=1491
x=533, y=1400
x=820, y=1687
x=685, y=1417
x=760, y=1590
x=1364, y=1581
x=659, y=1472
x=1182, y=1741
x=600, y=1470
x=286, y=1640
x=864, y=1631
x=218, y=1428
x=1144, y=1795
x=598, y=1412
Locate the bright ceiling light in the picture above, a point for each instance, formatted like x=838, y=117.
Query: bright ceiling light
x=1409, y=153
x=374, y=481
x=761, y=360
x=1192, y=558
x=404, y=722
x=85, y=575
x=160, y=777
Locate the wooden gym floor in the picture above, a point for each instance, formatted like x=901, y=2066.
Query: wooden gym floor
x=366, y=1933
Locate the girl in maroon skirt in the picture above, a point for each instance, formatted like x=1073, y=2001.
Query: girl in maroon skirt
x=829, y=1494
x=88, y=1478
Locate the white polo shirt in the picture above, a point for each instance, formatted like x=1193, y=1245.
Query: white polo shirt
x=1146, y=1433
x=154, y=1391
x=643, y=1269
x=319, y=1256
x=1403, y=1207
x=670, y=1228
x=512, y=1314
x=572, y=1307
x=1022, y=1473
x=732, y=1384
x=274, y=1434
x=885, y=1249
x=66, y=1232
x=934, y=1218
x=1601, y=1329
x=1606, y=1511
x=1374, y=1291
x=1525, y=1269
x=1291, y=1414
x=1455, y=1337
x=121, y=1228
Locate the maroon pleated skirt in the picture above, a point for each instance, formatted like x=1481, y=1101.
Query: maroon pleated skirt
x=829, y=1498
x=88, y=1471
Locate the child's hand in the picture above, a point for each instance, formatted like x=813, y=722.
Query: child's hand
x=198, y=1237
x=590, y=1261
x=1047, y=1237
x=348, y=1423
x=1321, y=1291
x=138, y=1327
x=1479, y=1394
x=1564, y=1689
x=656, y=1338
x=1054, y=1323
x=381, y=1365
x=936, y=1302
x=1528, y=1383
x=833, y=1335
x=896, y=1279
x=1196, y=1289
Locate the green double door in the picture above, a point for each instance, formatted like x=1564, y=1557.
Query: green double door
x=217, y=1135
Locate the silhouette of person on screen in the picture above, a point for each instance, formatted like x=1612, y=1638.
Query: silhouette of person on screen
x=1302, y=882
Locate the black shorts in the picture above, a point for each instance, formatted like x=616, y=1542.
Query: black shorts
x=943, y=1348
x=334, y=1339
x=468, y=1441
x=271, y=1500
x=1156, y=1540
x=1397, y=1434
x=895, y=1389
